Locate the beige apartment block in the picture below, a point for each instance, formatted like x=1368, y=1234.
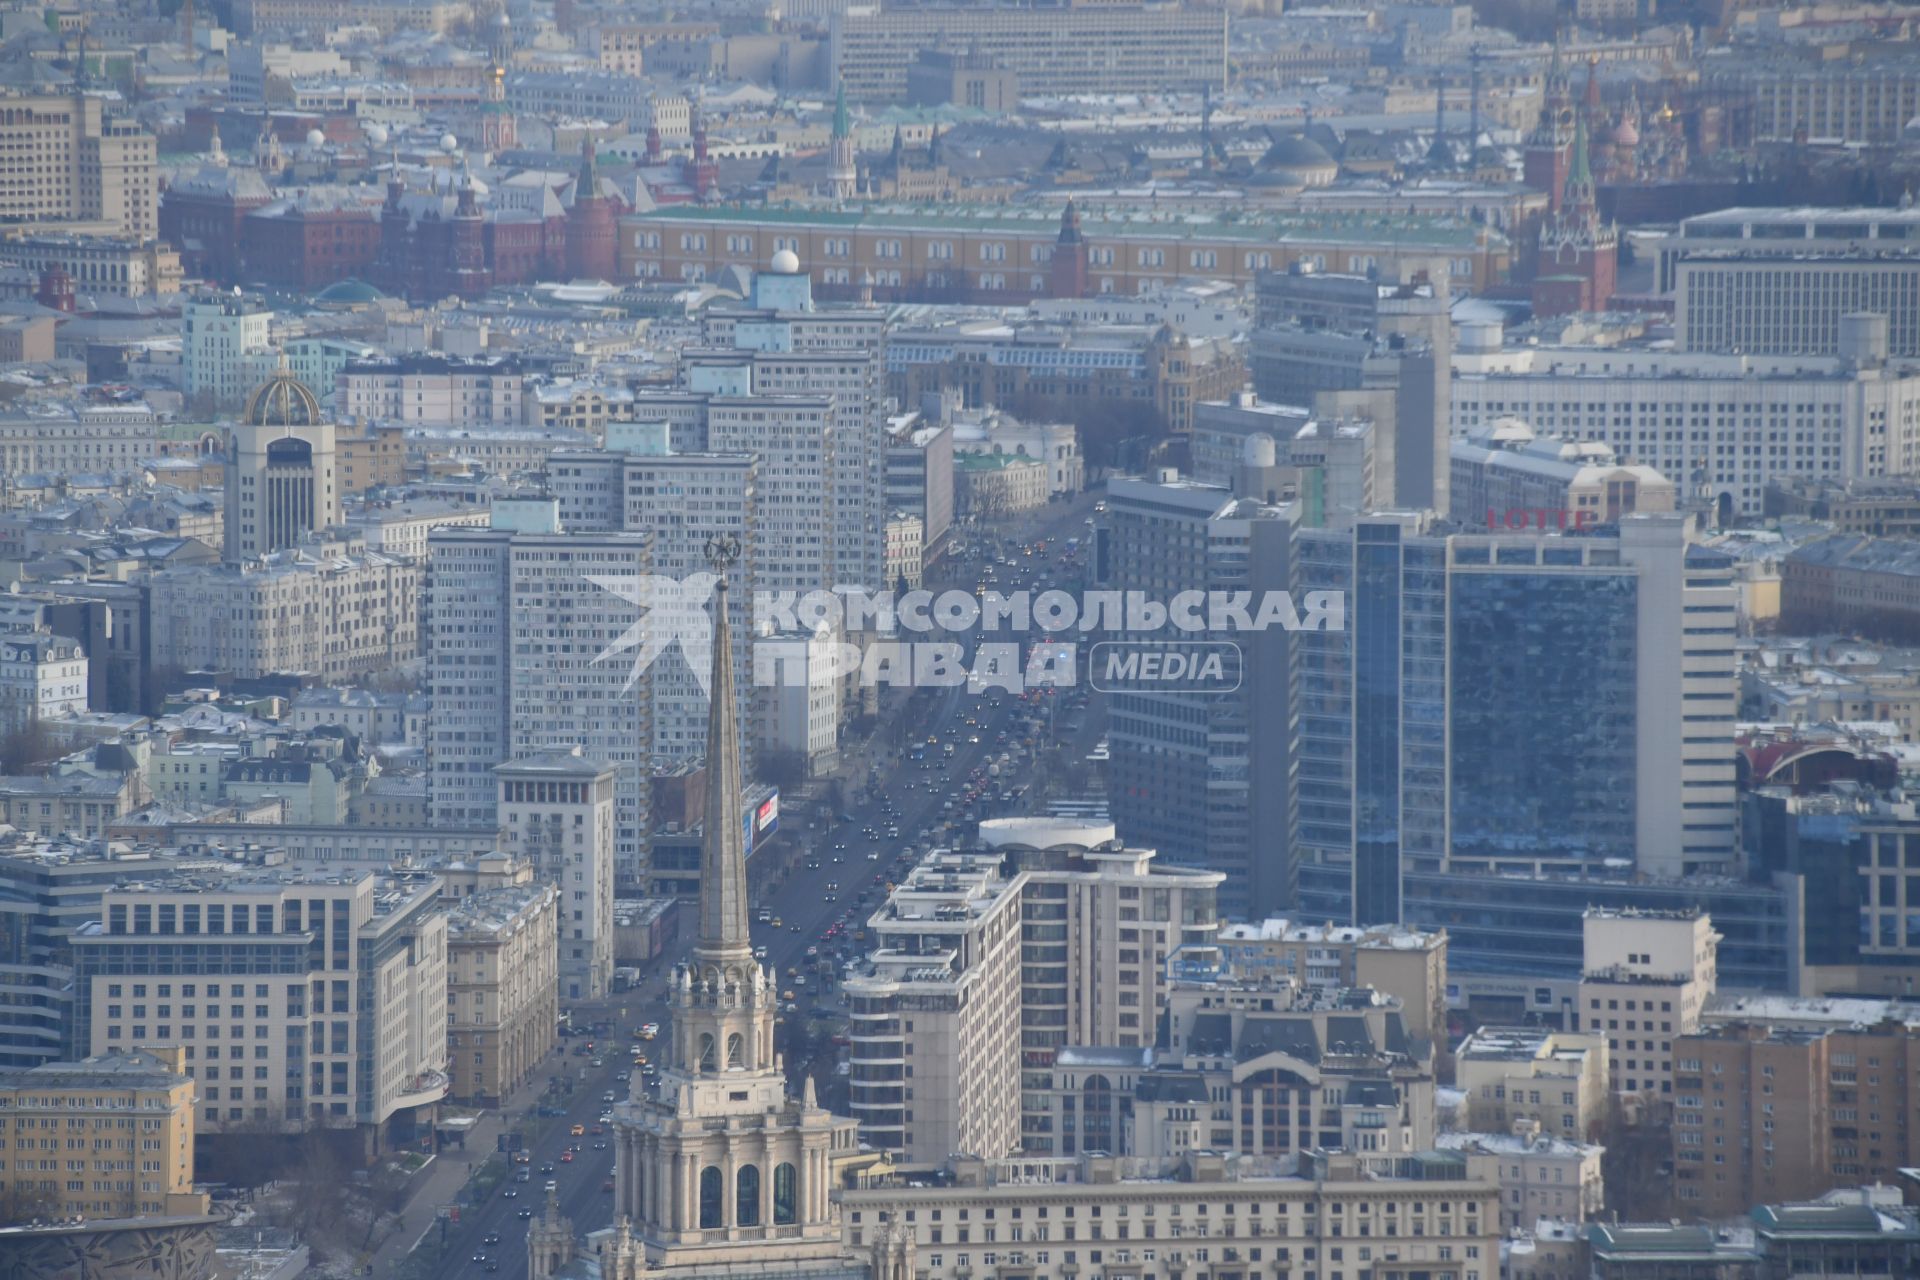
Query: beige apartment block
x=65, y=159
x=1645, y=975
x=1515, y=1076
x=343, y=1029
x=105, y=1137
x=503, y=989
x=1203, y=1216
x=1408, y=964
x=1764, y=1114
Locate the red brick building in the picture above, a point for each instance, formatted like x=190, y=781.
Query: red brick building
x=307, y=244
x=201, y=215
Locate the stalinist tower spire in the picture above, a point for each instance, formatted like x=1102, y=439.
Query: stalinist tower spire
x=724, y=944
x=721, y=1167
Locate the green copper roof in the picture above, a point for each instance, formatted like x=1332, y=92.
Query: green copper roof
x=1581, y=173
x=842, y=127
x=1256, y=227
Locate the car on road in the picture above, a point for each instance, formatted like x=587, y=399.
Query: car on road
x=566, y=1157
x=524, y=1213
x=600, y=1146
x=597, y=1063
x=547, y=1168
x=510, y=1193
x=597, y=1130
x=523, y=1157
x=577, y=1130
x=649, y=1030
x=492, y=1237
x=491, y=1264
x=606, y=1184
x=609, y=1097
x=479, y=1257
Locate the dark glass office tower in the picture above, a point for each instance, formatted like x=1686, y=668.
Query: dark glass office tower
x=1511, y=706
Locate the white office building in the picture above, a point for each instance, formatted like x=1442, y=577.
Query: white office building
x=1777, y=281
x=225, y=349
x=557, y=811
x=42, y=677
x=1719, y=426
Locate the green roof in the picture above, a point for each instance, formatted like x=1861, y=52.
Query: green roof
x=1375, y=230
x=992, y=461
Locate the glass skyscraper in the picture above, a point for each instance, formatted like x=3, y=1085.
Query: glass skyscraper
x=1510, y=705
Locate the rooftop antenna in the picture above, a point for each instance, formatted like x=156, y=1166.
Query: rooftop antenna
x=1473, y=139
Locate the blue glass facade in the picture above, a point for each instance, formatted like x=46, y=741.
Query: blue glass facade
x=1375, y=618
x=1543, y=714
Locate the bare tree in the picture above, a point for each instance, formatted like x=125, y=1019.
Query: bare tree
x=29, y=745
x=19, y=1205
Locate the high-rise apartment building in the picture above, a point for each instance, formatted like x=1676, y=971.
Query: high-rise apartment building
x=280, y=484
x=1052, y=934
x=517, y=632
x=1765, y=1113
x=70, y=161
x=936, y=1015
x=300, y=1001
x=1431, y=738
x=784, y=347
x=639, y=483
x=46, y=892
x=1098, y=924
x=1204, y=777
x=106, y=1137
x=557, y=811
x=503, y=989
x=1646, y=978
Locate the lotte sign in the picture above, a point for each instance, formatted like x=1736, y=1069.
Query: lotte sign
x=1524, y=518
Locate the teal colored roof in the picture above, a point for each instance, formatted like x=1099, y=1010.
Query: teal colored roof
x=992, y=461
x=1374, y=230
x=349, y=291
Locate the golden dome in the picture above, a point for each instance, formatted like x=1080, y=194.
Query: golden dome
x=282, y=401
